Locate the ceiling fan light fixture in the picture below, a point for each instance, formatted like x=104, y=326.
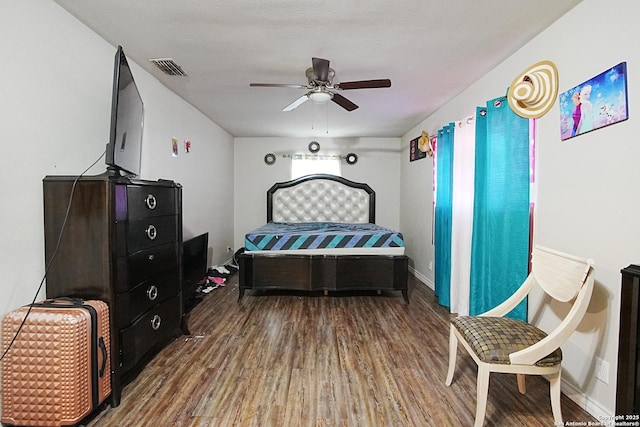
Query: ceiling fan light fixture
x=321, y=89
x=320, y=97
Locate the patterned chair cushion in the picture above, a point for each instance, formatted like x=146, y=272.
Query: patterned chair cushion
x=494, y=338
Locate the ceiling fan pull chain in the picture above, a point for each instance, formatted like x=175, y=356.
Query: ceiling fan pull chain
x=327, y=117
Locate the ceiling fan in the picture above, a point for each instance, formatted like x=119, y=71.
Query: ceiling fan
x=321, y=88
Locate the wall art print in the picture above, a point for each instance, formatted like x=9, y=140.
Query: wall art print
x=174, y=147
x=414, y=150
x=596, y=103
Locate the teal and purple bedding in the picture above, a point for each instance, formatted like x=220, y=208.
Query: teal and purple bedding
x=325, y=237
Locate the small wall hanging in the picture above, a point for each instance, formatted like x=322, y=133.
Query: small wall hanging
x=424, y=144
x=314, y=146
x=270, y=158
x=351, y=158
x=414, y=150
x=174, y=146
x=600, y=101
x=533, y=92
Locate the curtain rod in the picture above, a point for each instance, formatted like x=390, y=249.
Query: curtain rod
x=314, y=156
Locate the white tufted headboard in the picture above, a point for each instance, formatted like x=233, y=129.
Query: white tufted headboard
x=320, y=198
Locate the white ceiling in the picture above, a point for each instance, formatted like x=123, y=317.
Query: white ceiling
x=431, y=50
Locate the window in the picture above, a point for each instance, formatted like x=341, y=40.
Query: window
x=305, y=164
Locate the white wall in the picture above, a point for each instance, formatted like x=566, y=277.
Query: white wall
x=56, y=82
x=205, y=172
x=378, y=165
x=586, y=198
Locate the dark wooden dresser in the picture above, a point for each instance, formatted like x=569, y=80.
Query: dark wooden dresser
x=122, y=243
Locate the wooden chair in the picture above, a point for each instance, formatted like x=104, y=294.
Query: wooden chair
x=501, y=344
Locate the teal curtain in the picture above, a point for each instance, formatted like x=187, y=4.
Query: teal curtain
x=500, y=242
x=443, y=214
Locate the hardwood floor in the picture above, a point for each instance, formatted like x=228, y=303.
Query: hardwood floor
x=283, y=359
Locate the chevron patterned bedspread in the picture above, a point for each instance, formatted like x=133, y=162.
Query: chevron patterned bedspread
x=321, y=235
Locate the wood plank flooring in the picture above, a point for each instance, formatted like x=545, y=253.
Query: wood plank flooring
x=285, y=359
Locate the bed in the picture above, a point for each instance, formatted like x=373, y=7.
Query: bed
x=321, y=235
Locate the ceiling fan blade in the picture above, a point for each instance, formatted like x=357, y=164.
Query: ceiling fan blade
x=296, y=103
x=277, y=85
x=321, y=69
x=365, y=84
x=343, y=102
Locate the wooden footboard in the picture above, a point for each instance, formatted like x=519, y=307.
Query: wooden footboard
x=323, y=272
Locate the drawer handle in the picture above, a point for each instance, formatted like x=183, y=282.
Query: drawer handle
x=151, y=232
x=152, y=293
x=155, y=322
x=151, y=201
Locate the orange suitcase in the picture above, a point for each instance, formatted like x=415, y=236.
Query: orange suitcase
x=57, y=370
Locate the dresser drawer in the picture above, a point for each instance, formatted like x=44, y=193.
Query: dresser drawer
x=134, y=303
x=144, y=201
x=151, y=330
x=134, y=269
x=133, y=236
x=149, y=232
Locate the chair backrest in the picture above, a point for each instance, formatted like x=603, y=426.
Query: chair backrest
x=560, y=275
x=564, y=277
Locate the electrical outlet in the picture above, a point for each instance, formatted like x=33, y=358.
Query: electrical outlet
x=430, y=265
x=602, y=370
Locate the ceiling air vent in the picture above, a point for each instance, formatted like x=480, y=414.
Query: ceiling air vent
x=168, y=66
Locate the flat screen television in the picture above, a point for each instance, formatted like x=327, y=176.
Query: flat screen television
x=194, y=266
x=124, y=148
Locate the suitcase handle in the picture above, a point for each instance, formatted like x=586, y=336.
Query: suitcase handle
x=103, y=348
x=51, y=302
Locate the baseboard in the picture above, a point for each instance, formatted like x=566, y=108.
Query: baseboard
x=583, y=401
x=422, y=278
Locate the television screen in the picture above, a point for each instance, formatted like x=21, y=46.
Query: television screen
x=127, y=115
x=194, y=265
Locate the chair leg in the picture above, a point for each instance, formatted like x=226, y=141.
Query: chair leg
x=482, y=390
x=522, y=387
x=554, y=392
x=453, y=350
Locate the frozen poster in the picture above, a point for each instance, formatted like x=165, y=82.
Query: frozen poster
x=598, y=102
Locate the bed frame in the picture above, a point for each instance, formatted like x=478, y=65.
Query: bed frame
x=322, y=197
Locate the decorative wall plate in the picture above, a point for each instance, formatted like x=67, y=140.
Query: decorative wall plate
x=314, y=146
x=270, y=158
